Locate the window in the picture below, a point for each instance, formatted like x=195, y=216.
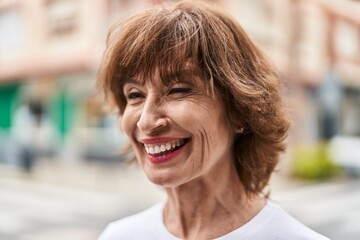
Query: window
x=12, y=31
x=62, y=17
x=346, y=40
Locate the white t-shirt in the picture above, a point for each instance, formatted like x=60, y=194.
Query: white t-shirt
x=271, y=223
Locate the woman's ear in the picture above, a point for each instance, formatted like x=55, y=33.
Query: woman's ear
x=237, y=125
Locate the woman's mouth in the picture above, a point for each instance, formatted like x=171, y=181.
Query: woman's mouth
x=164, y=151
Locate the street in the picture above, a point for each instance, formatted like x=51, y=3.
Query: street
x=331, y=208
x=76, y=201
x=69, y=201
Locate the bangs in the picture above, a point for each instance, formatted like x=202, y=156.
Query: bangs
x=166, y=43
x=162, y=42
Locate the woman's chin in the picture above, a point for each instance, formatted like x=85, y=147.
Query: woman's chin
x=161, y=180
x=166, y=180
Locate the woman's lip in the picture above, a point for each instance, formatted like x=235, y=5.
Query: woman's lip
x=166, y=157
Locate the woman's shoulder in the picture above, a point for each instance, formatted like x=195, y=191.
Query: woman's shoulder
x=134, y=226
x=288, y=227
x=273, y=223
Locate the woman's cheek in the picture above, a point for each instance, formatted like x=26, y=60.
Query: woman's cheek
x=192, y=119
x=128, y=122
x=180, y=113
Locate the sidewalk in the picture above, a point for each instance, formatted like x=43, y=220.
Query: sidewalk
x=76, y=200
x=62, y=201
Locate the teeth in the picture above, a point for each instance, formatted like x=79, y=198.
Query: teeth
x=168, y=146
x=151, y=150
x=156, y=149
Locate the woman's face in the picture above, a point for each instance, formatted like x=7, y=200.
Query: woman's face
x=179, y=132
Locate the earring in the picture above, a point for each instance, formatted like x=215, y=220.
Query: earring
x=239, y=130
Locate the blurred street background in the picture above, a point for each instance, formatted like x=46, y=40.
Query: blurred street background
x=61, y=174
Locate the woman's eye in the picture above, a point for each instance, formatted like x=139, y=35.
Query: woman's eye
x=134, y=95
x=179, y=90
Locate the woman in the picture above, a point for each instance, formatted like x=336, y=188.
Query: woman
x=202, y=109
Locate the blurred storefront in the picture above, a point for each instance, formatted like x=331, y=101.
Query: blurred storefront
x=49, y=54
x=310, y=42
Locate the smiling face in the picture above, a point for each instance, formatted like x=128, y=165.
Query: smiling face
x=179, y=131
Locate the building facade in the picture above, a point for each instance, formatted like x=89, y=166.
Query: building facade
x=50, y=51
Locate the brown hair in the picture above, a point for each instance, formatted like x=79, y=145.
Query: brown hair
x=166, y=39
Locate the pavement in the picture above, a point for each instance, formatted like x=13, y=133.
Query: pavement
x=331, y=208
x=69, y=200
x=77, y=200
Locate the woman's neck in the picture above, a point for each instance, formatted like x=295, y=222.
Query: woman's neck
x=209, y=207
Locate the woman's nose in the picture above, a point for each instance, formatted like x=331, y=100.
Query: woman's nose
x=152, y=118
